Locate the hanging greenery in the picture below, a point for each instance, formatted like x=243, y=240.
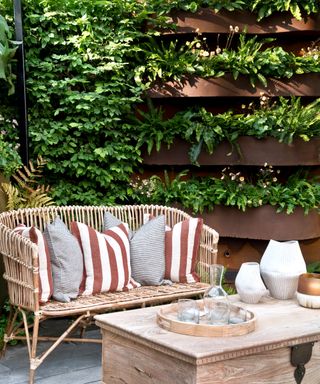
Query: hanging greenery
x=232, y=189
x=284, y=119
x=88, y=66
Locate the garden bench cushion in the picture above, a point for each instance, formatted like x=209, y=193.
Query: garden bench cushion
x=181, y=250
x=45, y=273
x=106, y=258
x=66, y=261
x=146, y=249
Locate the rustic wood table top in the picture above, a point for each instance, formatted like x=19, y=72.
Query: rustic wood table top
x=280, y=323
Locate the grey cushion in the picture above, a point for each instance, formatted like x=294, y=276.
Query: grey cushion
x=66, y=261
x=147, y=256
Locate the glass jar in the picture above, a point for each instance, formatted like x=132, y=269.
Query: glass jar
x=216, y=302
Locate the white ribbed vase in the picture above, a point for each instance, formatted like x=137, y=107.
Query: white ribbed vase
x=280, y=267
x=249, y=284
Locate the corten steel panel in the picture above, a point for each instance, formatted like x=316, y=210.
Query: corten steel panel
x=263, y=223
x=298, y=85
x=207, y=21
x=252, y=152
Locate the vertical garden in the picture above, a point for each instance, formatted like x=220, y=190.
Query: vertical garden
x=225, y=85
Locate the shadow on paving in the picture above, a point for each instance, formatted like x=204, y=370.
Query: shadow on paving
x=70, y=362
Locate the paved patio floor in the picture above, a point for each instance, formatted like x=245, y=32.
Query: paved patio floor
x=78, y=363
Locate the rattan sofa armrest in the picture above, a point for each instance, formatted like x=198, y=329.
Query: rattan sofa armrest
x=21, y=261
x=208, y=252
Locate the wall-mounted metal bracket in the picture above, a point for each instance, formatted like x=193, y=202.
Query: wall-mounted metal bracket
x=300, y=355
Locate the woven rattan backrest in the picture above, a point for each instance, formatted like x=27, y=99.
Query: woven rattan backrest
x=20, y=255
x=91, y=215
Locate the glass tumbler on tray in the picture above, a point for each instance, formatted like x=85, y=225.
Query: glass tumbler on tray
x=188, y=311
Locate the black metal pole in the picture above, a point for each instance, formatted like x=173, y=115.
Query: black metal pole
x=21, y=83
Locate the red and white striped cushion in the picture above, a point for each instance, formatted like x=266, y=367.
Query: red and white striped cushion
x=106, y=258
x=181, y=250
x=45, y=274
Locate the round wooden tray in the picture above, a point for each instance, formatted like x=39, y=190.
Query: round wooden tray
x=167, y=319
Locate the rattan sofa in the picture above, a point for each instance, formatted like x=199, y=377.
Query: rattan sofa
x=20, y=258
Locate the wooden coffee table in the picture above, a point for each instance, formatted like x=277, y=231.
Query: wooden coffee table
x=136, y=350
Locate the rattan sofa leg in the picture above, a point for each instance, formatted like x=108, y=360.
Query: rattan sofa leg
x=35, y=362
x=31, y=375
x=9, y=329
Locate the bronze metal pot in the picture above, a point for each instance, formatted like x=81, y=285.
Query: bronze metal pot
x=309, y=284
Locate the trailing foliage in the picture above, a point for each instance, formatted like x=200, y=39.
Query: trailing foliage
x=285, y=120
x=262, y=8
x=7, y=52
x=9, y=157
x=231, y=189
x=81, y=90
x=314, y=267
x=89, y=64
x=250, y=58
x=26, y=192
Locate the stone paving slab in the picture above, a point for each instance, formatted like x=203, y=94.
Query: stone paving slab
x=78, y=363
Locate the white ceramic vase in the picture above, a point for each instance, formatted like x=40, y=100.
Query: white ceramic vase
x=280, y=267
x=249, y=284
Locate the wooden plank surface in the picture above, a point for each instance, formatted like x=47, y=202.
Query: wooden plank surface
x=125, y=361
x=279, y=324
x=272, y=367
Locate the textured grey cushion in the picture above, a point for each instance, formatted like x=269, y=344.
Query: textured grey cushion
x=66, y=261
x=147, y=257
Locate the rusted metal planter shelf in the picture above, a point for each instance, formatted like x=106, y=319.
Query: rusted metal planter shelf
x=205, y=20
x=298, y=85
x=263, y=223
x=252, y=152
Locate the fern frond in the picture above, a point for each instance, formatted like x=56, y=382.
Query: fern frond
x=39, y=199
x=14, y=200
x=26, y=192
